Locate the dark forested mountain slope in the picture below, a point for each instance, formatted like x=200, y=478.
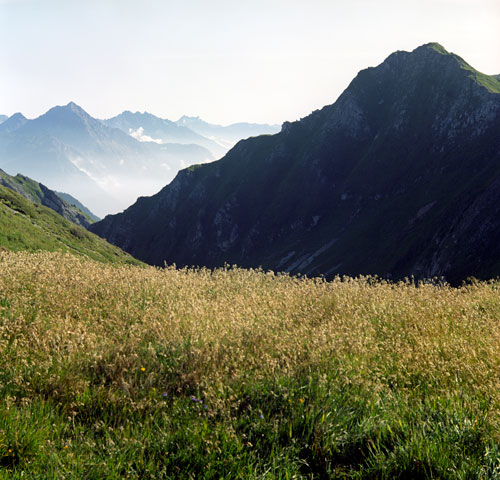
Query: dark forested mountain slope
x=400, y=176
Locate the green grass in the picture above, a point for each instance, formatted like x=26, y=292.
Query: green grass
x=490, y=82
x=31, y=190
x=28, y=226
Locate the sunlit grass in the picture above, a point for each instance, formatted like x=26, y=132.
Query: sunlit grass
x=136, y=372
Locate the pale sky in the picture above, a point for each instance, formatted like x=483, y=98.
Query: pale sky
x=223, y=60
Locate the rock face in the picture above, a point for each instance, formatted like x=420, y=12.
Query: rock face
x=400, y=176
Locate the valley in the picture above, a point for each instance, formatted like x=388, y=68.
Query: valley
x=313, y=300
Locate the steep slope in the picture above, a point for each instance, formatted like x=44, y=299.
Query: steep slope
x=27, y=226
x=38, y=193
x=69, y=150
x=400, y=176
x=148, y=127
x=3, y=118
x=229, y=134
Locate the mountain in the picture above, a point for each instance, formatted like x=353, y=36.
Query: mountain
x=230, y=134
x=148, y=127
x=41, y=195
x=28, y=226
x=400, y=176
x=79, y=205
x=3, y=118
x=69, y=150
x=13, y=123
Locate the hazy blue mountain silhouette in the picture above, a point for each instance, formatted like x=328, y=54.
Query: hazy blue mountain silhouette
x=162, y=130
x=69, y=150
x=229, y=134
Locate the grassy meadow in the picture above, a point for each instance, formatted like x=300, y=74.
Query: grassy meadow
x=121, y=371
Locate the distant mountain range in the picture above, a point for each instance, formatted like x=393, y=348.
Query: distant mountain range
x=147, y=127
x=187, y=130
x=69, y=150
x=400, y=176
x=227, y=135
x=106, y=164
x=3, y=118
x=41, y=195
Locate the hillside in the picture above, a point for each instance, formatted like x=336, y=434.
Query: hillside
x=41, y=195
x=28, y=226
x=400, y=176
x=79, y=205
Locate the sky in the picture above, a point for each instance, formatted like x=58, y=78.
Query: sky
x=261, y=61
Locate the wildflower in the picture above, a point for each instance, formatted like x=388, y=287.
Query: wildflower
x=262, y=416
x=164, y=394
x=301, y=400
x=143, y=369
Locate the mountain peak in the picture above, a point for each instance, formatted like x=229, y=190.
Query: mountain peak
x=396, y=178
x=64, y=113
x=18, y=116
x=13, y=122
x=437, y=47
x=73, y=107
x=405, y=70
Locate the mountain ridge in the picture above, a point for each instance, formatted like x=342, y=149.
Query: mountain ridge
x=69, y=150
x=380, y=182
x=25, y=225
x=39, y=194
x=216, y=138
x=160, y=130
x=227, y=134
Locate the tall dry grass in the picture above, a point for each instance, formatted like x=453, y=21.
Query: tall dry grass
x=134, y=334
x=61, y=310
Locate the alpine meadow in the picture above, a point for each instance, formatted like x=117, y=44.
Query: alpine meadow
x=250, y=240
x=138, y=372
